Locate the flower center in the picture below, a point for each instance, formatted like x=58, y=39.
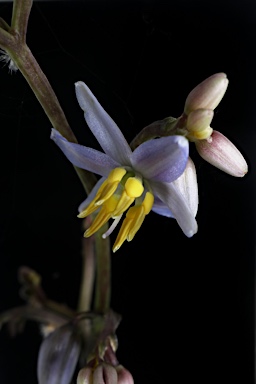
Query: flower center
x=113, y=198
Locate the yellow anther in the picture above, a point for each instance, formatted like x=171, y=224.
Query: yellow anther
x=107, y=188
x=124, y=203
x=135, y=214
x=105, y=213
x=125, y=229
x=133, y=221
x=139, y=216
x=148, y=202
x=123, y=233
x=107, y=192
x=110, y=185
x=92, y=207
x=88, y=210
x=134, y=187
x=116, y=174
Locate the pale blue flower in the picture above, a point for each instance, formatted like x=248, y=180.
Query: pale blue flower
x=146, y=176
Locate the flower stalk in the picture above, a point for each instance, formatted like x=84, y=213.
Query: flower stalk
x=88, y=271
x=103, y=272
x=13, y=42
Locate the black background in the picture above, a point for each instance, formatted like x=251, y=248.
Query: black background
x=187, y=304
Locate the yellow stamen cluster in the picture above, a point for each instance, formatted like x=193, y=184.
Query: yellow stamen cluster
x=113, y=198
x=133, y=221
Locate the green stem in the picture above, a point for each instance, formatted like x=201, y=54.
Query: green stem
x=88, y=271
x=7, y=41
x=27, y=64
x=103, y=275
x=166, y=127
x=42, y=89
x=20, y=15
x=12, y=40
x=5, y=27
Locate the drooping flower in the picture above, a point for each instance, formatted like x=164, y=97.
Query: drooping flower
x=58, y=356
x=138, y=177
x=87, y=337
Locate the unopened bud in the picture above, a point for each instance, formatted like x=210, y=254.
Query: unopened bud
x=124, y=376
x=220, y=152
x=102, y=374
x=198, y=124
x=199, y=119
x=105, y=374
x=207, y=94
x=85, y=376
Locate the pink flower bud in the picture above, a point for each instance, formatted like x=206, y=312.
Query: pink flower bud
x=124, y=376
x=220, y=152
x=104, y=374
x=84, y=376
x=207, y=94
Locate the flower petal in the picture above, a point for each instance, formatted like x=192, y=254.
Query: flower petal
x=161, y=209
x=84, y=157
x=102, y=126
x=161, y=159
x=172, y=197
x=58, y=356
x=187, y=185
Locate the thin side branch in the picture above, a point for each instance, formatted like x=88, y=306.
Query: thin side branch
x=20, y=15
